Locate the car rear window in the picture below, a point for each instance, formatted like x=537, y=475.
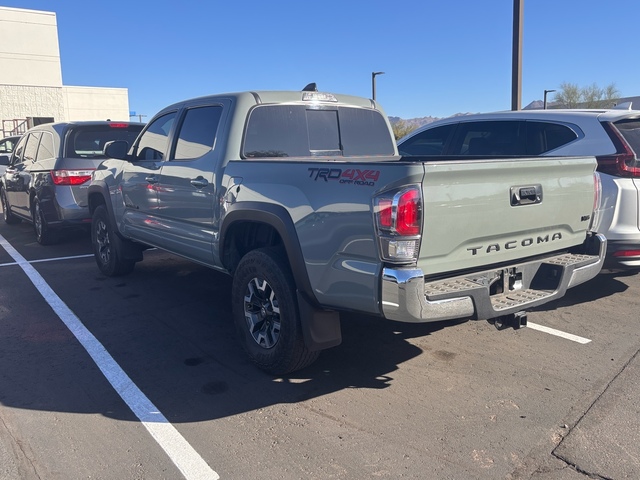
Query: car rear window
x=87, y=141
x=302, y=131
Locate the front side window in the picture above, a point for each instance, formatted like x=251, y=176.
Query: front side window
x=428, y=142
x=303, y=131
x=154, y=141
x=197, y=132
x=19, y=151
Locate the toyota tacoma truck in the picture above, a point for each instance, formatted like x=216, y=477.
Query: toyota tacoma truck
x=302, y=198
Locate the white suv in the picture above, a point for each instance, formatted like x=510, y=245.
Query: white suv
x=612, y=136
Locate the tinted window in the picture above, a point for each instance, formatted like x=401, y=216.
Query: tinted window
x=630, y=130
x=428, y=142
x=153, y=143
x=7, y=145
x=31, y=148
x=17, y=155
x=45, y=150
x=87, y=141
x=299, y=131
x=490, y=138
x=198, y=132
x=543, y=137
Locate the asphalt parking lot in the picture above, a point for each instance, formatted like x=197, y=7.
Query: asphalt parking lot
x=141, y=377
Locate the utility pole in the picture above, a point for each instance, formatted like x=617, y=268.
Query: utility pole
x=516, y=74
x=373, y=83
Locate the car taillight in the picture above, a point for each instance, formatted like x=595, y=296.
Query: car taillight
x=71, y=177
x=627, y=253
x=398, y=216
x=118, y=125
x=620, y=164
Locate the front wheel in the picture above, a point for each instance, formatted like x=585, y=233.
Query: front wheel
x=265, y=311
x=106, y=251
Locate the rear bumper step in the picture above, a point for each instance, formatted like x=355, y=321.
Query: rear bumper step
x=491, y=293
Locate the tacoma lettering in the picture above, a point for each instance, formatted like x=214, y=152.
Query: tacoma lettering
x=510, y=245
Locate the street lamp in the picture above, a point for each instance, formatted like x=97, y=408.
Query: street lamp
x=373, y=83
x=544, y=103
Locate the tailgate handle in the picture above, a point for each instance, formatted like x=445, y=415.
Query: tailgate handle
x=526, y=195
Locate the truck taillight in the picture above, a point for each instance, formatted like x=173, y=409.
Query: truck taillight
x=398, y=216
x=71, y=177
x=623, y=163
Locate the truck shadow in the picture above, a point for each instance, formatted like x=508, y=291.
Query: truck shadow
x=168, y=326
x=602, y=286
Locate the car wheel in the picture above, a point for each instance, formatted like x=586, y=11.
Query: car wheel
x=45, y=235
x=106, y=251
x=9, y=218
x=265, y=312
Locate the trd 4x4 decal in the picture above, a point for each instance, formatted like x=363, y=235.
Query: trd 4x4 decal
x=353, y=176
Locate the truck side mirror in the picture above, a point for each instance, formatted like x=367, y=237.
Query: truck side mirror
x=116, y=149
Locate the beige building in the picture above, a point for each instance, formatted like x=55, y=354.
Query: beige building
x=31, y=89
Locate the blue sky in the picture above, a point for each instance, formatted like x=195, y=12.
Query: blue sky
x=439, y=57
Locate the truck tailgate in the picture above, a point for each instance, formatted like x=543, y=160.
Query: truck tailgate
x=485, y=212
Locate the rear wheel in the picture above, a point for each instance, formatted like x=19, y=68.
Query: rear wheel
x=106, y=247
x=45, y=235
x=9, y=218
x=265, y=311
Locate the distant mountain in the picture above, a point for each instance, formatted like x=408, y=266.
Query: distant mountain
x=418, y=122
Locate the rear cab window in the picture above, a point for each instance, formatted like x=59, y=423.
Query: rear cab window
x=87, y=141
x=307, y=131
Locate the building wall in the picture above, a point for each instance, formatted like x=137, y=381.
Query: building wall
x=94, y=103
x=31, y=76
x=29, y=52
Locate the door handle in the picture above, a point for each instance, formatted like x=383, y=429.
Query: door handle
x=199, y=182
x=151, y=179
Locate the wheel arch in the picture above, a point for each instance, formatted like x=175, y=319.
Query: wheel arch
x=274, y=227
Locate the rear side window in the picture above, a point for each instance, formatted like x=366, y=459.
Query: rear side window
x=543, y=137
x=87, y=141
x=299, y=131
x=197, y=132
x=630, y=130
x=45, y=151
x=31, y=148
x=428, y=142
x=495, y=138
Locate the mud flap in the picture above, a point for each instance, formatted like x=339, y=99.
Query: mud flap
x=320, y=328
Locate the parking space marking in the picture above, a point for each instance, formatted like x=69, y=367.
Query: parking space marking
x=189, y=462
x=54, y=259
x=558, y=333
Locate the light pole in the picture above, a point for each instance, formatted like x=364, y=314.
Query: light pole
x=544, y=103
x=373, y=83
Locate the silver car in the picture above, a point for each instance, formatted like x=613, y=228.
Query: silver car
x=49, y=172
x=612, y=136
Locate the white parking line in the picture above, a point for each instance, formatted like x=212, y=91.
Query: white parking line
x=558, y=333
x=181, y=453
x=55, y=259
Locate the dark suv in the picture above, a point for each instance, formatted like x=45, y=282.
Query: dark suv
x=49, y=172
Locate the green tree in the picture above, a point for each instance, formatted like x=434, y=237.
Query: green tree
x=402, y=128
x=571, y=95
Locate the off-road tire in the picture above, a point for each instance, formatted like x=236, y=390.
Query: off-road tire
x=265, y=311
x=106, y=249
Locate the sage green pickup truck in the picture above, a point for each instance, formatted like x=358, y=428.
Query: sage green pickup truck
x=302, y=198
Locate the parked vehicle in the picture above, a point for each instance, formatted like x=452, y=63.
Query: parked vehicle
x=6, y=147
x=49, y=172
x=303, y=198
x=612, y=136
